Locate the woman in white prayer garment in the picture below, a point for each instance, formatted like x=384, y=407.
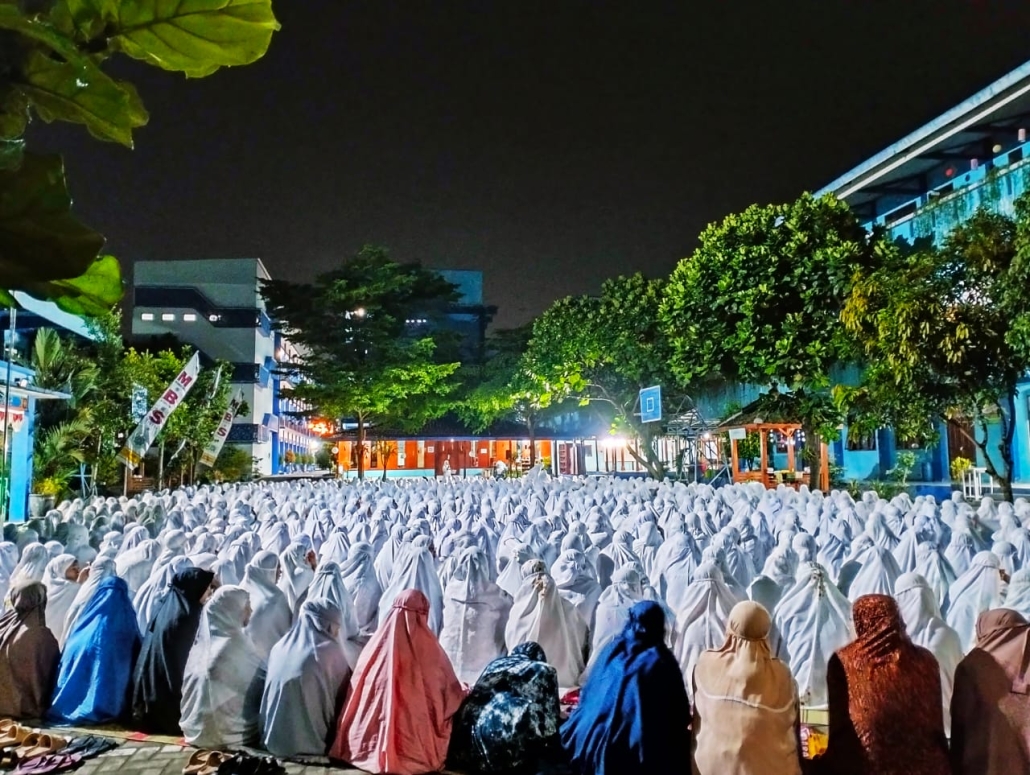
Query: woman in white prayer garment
x=328, y=585
x=136, y=564
x=476, y=612
x=30, y=568
x=576, y=583
x=416, y=569
x=150, y=595
x=224, y=677
x=539, y=614
x=307, y=672
x=702, y=613
x=979, y=589
x=932, y=566
x=811, y=622
x=1018, y=595
x=617, y=554
x=360, y=579
x=646, y=546
x=626, y=591
x=389, y=554
x=298, y=571
x=510, y=577
x=877, y=575
x=98, y=571
x=270, y=617
x=927, y=628
x=960, y=551
x=61, y=579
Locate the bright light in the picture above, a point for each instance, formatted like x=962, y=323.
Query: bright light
x=213, y=318
x=189, y=317
x=611, y=442
x=359, y=312
x=166, y=316
x=146, y=316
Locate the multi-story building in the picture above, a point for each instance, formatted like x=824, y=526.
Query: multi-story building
x=216, y=306
x=975, y=155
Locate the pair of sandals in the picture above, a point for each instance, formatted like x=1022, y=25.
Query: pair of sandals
x=20, y=744
x=221, y=763
x=245, y=764
x=205, y=762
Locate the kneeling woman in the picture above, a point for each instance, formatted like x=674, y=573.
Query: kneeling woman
x=509, y=722
x=633, y=715
x=398, y=719
x=96, y=667
x=157, y=684
x=28, y=655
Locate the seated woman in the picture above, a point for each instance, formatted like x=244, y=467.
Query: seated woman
x=541, y=615
x=475, y=614
x=509, y=722
x=270, y=617
x=28, y=655
x=221, y=689
x=746, y=709
x=398, y=721
x=95, y=673
x=157, y=681
x=633, y=716
x=307, y=673
x=61, y=579
x=884, y=695
x=990, y=707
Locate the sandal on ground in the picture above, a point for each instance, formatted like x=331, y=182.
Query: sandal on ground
x=14, y=736
x=39, y=744
x=214, y=762
x=48, y=763
x=89, y=746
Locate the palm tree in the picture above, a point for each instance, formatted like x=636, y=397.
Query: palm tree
x=58, y=366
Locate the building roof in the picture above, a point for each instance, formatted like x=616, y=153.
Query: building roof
x=970, y=130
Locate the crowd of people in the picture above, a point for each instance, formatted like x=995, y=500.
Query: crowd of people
x=583, y=625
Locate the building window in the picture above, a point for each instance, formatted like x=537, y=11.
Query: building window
x=189, y=317
x=166, y=316
x=861, y=442
x=146, y=316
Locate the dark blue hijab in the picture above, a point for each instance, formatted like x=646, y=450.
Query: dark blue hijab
x=633, y=711
x=96, y=666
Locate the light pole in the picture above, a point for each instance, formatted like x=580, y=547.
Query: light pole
x=12, y=314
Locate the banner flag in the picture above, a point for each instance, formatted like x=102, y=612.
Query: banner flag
x=141, y=439
x=221, y=432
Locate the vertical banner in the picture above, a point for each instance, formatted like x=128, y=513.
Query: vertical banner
x=139, y=440
x=221, y=432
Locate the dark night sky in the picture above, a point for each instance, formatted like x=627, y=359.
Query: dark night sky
x=549, y=143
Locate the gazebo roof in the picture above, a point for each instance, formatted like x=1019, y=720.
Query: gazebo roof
x=761, y=414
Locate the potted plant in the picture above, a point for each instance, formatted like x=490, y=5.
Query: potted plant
x=44, y=495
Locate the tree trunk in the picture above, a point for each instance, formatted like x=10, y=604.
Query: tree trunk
x=361, y=447
x=1004, y=476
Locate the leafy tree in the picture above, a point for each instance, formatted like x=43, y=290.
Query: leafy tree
x=759, y=302
x=59, y=365
x=947, y=332
x=52, y=54
x=603, y=350
x=363, y=361
x=505, y=385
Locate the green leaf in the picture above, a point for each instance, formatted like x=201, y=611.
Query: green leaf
x=195, y=37
x=40, y=240
x=80, y=92
x=92, y=293
x=11, y=154
x=88, y=17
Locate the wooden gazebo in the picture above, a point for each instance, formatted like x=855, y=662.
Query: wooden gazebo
x=751, y=420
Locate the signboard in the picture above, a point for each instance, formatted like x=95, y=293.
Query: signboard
x=738, y=434
x=651, y=404
x=142, y=438
x=221, y=432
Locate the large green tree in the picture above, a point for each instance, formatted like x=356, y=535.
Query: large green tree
x=371, y=350
x=602, y=350
x=946, y=330
x=759, y=302
x=52, y=58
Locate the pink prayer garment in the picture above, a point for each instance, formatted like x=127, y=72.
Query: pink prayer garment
x=402, y=697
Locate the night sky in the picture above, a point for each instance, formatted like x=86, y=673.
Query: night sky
x=550, y=144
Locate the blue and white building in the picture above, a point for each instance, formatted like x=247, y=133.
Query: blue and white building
x=216, y=306
x=975, y=155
